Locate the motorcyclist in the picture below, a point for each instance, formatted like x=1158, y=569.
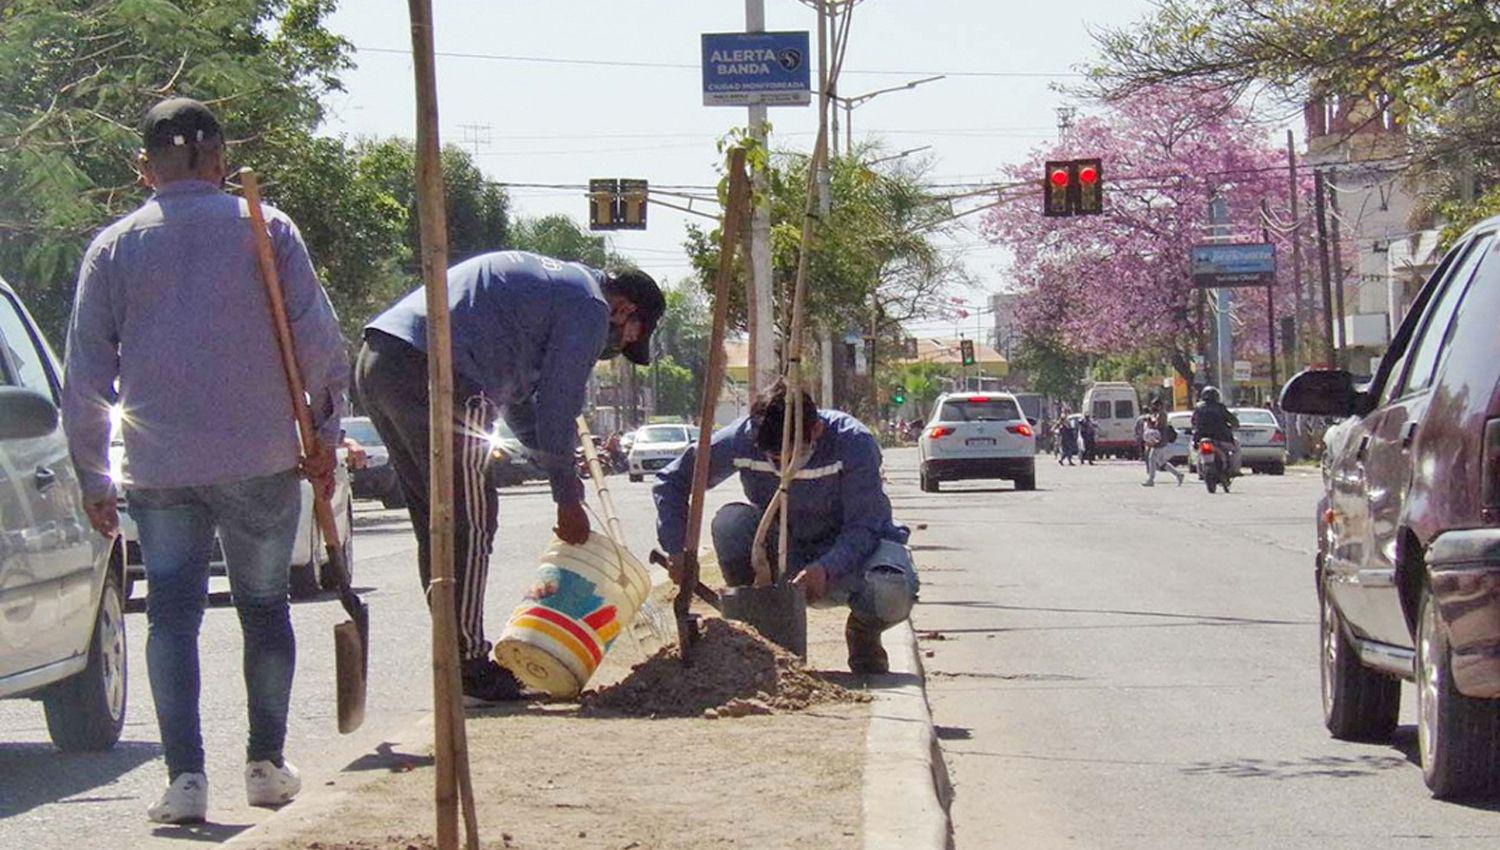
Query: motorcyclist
x=1213, y=421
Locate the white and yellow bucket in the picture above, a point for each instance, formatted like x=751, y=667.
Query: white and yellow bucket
x=583, y=598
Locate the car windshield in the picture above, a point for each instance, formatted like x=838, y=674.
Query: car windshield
x=363, y=432
x=662, y=435
x=980, y=410
x=1255, y=416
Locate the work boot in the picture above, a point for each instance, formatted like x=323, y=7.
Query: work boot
x=485, y=682
x=866, y=655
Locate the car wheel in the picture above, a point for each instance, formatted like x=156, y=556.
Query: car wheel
x=1276, y=469
x=928, y=484
x=1359, y=704
x=87, y=711
x=636, y=479
x=304, y=580
x=326, y=578
x=1458, y=737
x=1027, y=482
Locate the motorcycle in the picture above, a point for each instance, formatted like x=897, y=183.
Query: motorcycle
x=1215, y=463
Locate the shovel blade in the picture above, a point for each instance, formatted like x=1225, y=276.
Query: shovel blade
x=351, y=664
x=778, y=612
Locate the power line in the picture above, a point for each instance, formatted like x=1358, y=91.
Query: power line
x=628, y=63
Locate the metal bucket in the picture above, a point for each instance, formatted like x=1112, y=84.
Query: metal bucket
x=583, y=598
x=778, y=612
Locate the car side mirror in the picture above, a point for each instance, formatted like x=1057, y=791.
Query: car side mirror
x=25, y=414
x=1031, y=421
x=1321, y=392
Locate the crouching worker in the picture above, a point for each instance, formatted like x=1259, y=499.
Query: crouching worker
x=845, y=550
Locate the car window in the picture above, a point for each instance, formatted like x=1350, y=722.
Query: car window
x=1255, y=416
x=1124, y=409
x=1100, y=409
x=662, y=435
x=30, y=362
x=362, y=432
x=1433, y=336
x=980, y=410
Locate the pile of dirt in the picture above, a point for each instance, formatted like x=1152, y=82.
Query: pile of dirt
x=735, y=672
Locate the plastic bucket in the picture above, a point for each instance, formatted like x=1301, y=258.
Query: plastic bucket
x=583, y=598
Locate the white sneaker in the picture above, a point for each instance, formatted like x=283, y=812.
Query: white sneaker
x=270, y=786
x=184, y=801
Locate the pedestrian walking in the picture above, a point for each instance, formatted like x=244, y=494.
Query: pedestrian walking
x=527, y=333
x=1088, y=435
x=170, y=305
x=1158, y=436
x=1067, y=440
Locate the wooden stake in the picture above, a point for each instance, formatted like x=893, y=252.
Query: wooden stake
x=452, y=774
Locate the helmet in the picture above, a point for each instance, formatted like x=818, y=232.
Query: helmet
x=1209, y=394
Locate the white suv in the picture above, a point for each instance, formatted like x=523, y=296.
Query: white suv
x=62, y=605
x=977, y=435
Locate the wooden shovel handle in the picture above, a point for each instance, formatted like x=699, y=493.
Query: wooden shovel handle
x=271, y=279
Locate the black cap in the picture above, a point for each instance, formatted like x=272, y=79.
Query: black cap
x=639, y=288
x=176, y=122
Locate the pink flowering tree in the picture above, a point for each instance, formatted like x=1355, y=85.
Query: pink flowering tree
x=1118, y=282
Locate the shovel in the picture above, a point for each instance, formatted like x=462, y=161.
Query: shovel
x=351, y=638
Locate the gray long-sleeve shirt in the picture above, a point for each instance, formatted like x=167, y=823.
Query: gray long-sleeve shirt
x=170, y=307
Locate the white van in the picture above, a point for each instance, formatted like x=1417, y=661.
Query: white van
x=1114, y=408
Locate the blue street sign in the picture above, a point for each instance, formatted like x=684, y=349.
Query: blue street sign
x=1246, y=264
x=760, y=68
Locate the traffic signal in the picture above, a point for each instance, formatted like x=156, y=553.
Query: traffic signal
x=1073, y=187
x=966, y=350
x=909, y=348
x=899, y=396
x=1058, y=178
x=1090, y=179
x=617, y=204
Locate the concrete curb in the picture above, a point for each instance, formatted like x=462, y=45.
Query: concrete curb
x=906, y=789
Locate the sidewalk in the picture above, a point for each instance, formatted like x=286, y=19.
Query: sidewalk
x=548, y=776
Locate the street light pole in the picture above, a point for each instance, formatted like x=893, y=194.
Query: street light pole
x=761, y=301
x=850, y=102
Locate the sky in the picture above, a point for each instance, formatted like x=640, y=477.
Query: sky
x=568, y=119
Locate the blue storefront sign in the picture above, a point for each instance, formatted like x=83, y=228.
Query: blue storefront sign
x=760, y=68
x=1252, y=264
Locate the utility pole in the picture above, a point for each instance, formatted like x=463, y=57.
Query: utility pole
x=833, y=94
x=1265, y=236
x=1218, y=225
x=1329, y=355
x=1299, y=312
x=1338, y=270
x=760, y=302
x=476, y=135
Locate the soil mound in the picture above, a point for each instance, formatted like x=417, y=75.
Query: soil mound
x=735, y=672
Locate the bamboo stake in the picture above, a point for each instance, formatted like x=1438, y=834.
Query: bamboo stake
x=452, y=774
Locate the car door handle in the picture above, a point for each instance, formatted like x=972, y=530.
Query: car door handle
x=44, y=477
x=1364, y=448
x=1408, y=434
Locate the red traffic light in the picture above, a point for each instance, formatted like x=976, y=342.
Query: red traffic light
x=1059, y=177
x=1088, y=175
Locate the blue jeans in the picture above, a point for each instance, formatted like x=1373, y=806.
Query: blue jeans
x=883, y=588
x=257, y=523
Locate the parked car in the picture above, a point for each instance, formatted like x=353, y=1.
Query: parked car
x=510, y=461
x=309, y=555
x=977, y=435
x=62, y=630
x=1262, y=442
x=1182, y=447
x=375, y=478
x=1114, y=407
x=1408, y=563
x=655, y=446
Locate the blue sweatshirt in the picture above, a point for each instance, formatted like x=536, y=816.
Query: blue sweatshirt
x=839, y=510
x=171, y=306
x=528, y=331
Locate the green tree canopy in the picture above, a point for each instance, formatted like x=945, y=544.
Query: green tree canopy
x=560, y=236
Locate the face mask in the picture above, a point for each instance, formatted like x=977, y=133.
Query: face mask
x=614, y=343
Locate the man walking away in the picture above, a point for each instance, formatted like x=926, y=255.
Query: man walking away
x=170, y=304
x=1067, y=440
x=527, y=332
x=1158, y=436
x=1088, y=430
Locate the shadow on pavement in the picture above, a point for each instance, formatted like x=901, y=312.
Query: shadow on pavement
x=33, y=775
x=386, y=758
x=1331, y=767
x=208, y=833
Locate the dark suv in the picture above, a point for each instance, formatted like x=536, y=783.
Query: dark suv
x=1408, y=567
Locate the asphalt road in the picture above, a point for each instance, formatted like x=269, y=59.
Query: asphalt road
x=1115, y=666
x=55, y=801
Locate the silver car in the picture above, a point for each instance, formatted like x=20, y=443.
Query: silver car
x=655, y=446
x=1261, y=438
x=62, y=601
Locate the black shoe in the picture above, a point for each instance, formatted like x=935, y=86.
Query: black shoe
x=486, y=682
x=866, y=655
